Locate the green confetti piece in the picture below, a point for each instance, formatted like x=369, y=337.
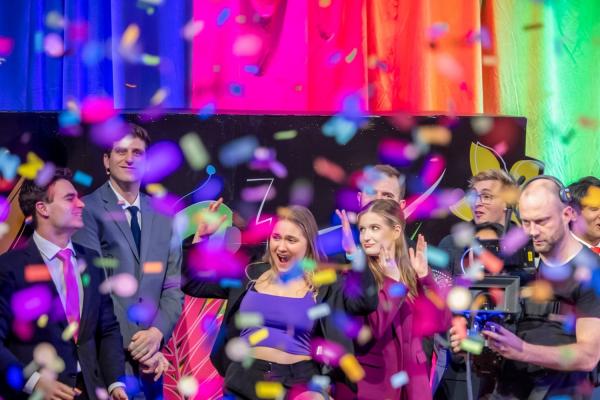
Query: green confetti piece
x=248, y=320
x=148, y=59
x=194, y=151
x=102, y=262
x=473, y=346
x=308, y=265
x=285, y=135
x=350, y=57
x=85, y=280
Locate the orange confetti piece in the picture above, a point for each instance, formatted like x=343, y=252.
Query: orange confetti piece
x=328, y=169
x=352, y=368
x=491, y=262
x=153, y=267
x=37, y=273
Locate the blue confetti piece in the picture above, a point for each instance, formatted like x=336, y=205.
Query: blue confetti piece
x=335, y=58
x=82, y=178
x=207, y=111
x=293, y=273
x=230, y=283
x=223, y=16
x=399, y=379
x=397, y=290
x=210, y=169
x=68, y=118
x=252, y=69
x=238, y=151
x=8, y=164
x=341, y=128
x=38, y=41
x=437, y=257
x=236, y=89
x=14, y=377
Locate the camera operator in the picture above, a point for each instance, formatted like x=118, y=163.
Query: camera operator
x=547, y=356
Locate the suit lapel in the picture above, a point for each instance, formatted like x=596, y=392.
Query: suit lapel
x=147, y=221
x=116, y=213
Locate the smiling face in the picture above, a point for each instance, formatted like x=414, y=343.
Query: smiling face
x=64, y=207
x=126, y=160
x=287, y=245
x=377, y=233
x=487, y=203
x=587, y=224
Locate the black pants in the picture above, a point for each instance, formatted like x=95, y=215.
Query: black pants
x=240, y=383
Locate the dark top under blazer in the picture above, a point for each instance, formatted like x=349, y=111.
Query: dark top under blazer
x=98, y=348
x=332, y=294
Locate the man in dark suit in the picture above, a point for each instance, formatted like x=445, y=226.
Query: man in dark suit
x=121, y=223
x=58, y=333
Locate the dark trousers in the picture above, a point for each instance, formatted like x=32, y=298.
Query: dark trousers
x=79, y=384
x=240, y=383
x=139, y=385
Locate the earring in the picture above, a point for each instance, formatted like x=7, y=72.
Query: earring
x=107, y=171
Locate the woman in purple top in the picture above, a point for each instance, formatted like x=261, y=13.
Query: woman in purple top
x=395, y=351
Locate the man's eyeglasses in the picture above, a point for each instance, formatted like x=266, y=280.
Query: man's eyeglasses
x=484, y=198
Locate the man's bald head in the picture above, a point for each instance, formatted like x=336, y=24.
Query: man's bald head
x=544, y=216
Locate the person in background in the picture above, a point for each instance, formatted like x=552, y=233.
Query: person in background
x=76, y=352
x=274, y=289
x=586, y=204
x=120, y=223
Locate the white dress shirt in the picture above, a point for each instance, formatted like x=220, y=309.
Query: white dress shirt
x=124, y=204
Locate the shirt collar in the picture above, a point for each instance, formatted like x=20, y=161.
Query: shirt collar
x=121, y=200
x=47, y=248
x=580, y=240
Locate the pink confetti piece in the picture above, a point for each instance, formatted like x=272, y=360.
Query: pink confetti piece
x=122, y=285
x=247, y=45
x=95, y=109
x=329, y=170
x=257, y=193
x=434, y=166
x=6, y=46
x=302, y=193
x=53, y=45
x=212, y=262
x=326, y=352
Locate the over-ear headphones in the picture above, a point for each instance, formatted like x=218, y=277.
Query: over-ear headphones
x=564, y=194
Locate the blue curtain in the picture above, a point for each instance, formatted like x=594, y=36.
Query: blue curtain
x=32, y=80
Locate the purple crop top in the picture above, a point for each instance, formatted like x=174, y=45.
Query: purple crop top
x=285, y=318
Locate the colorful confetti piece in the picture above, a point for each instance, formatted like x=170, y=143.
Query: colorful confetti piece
x=258, y=336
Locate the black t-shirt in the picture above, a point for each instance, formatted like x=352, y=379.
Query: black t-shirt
x=553, y=323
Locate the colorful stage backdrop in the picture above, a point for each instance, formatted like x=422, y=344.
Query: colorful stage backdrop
x=532, y=58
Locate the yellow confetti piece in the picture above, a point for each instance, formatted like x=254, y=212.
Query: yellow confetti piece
x=352, y=368
x=156, y=189
x=30, y=169
x=434, y=134
x=150, y=60
x=592, y=197
x=258, y=336
x=130, y=36
x=194, y=151
x=285, y=135
x=269, y=390
x=351, y=56
x=153, y=267
x=472, y=346
x=42, y=321
x=325, y=277
x=69, y=331
x=324, y=3
x=540, y=291
x=160, y=96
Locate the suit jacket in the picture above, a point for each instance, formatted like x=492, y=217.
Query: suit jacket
x=158, y=301
x=98, y=347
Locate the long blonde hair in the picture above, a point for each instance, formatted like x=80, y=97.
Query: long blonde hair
x=303, y=219
x=391, y=212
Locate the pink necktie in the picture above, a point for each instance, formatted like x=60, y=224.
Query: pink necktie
x=71, y=288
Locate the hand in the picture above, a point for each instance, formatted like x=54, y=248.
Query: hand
x=118, y=393
x=144, y=344
x=156, y=365
x=347, y=239
x=418, y=257
x=208, y=221
x=504, y=342
x=457, y=333
x=55, y=390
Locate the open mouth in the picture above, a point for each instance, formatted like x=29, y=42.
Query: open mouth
x=283, y=258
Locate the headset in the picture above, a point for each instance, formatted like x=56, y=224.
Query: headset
x=564, y=194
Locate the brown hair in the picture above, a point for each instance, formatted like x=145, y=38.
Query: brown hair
x=493, y=175
x=391, y=212
x=30, y=193
x=137, y=132
x=394, y=173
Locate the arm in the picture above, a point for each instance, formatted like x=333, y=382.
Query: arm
x=584, y=354
x=111, y=358
x=359, y=292
x=381, y=319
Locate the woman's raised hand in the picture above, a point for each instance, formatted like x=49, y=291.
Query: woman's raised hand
x=347, y=239
x=209, y=221
x=418, y=257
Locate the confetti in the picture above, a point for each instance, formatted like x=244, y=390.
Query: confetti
x=194, y=151
x=8, y=164
x=448, y=66
x=237, y=349
x=472, y=345
x=153, y=267
x=319, y=311
x=591, y=198
x=433, y=134
x=437, y=257
x=53, y=45
x=269, y=390
x=258, y=336
x=30, y=169
x=107, y=262
x=533, y=26
x=69, y=331
x=191, y=29
x=32, y=302
x=329, y=169
x=301, y=192
x=238, y=151
x=341, y=128
x=397, y=290
x=122, y=285
x=247, y=45
x=325, y=277
x=82, y=178
x=42, y=321
x=459, y=299
x=482, y=125
x=245, y=320
x=44, y=354
x=159, y=96
x=162, y=159
x=351, y=56
x=96, y=109
x=6, y=46
x=150, y=60
x=491, y=262
x=130, y=36
x=399, y=379
x=437, y=30
x=326, y=352
x=223, y=16
x=54, y=20
x=395, y=152
x=258, y=193
x=188, y=386
x=285, y=135
x=352, y=368
x=364, y=335
x=435, y=165
x=37, y=273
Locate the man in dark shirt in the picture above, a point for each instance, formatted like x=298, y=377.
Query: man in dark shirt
x=557, y=343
